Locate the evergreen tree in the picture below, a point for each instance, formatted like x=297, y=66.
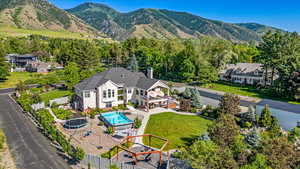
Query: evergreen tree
x=71, y=75
x=187, y=93
x=265, y=119
x=229, y=104
x=253, y=139
x=134, y=67
x=196, y=99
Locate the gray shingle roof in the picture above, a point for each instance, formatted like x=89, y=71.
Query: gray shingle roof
x=245, y=69
x=119, y=76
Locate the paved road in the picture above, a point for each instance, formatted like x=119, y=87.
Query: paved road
x=8, y=90
x=29, y=147
x=212, y=97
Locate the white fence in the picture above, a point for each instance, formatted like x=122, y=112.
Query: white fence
x=62, y=100
x=38, y=106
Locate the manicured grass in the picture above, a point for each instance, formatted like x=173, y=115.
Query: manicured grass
x=55, y=94
x=178, y=129
x=236, y=89
x=14, y=79
x=249, y=91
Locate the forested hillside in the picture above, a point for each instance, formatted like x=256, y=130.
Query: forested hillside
x=41, y=15
x=159, y=23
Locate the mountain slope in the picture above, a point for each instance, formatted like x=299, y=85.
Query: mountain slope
x=258, y=28
x=40, y=14
x=158, y=23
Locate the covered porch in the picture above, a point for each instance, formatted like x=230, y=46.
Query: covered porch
x=158, y=97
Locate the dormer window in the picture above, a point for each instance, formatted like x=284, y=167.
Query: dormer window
x=122, y=75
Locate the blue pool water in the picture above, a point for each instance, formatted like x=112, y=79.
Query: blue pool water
x=116, y=118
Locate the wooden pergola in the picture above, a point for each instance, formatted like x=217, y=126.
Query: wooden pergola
x=137, y=154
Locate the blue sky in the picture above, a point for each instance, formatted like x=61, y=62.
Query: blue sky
x=284, y=14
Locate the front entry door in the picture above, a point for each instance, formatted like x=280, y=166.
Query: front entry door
x=108, y=105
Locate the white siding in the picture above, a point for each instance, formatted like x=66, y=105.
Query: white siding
x=114, y=100
x=89, y=102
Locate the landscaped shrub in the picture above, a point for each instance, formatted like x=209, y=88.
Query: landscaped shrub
x=137, y=123
x=114, y=166
x=101, y=123
x=2, y=139
x=61, y=113
x=46, y=120
x=210, y=112
x=109, y=130
x=132, y=104
x=122, y=107
x=193, y=110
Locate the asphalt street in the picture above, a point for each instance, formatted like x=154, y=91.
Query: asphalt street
x=29, y=147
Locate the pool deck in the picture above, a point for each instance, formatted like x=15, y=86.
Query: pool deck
x=98, y=137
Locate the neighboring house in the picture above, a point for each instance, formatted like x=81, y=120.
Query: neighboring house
x=245, y=73
x=118, y=86
x=19, y=62
x=42, y=67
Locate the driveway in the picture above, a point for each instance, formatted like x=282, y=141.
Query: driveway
x=30, y=149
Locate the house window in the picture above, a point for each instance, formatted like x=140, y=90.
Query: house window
x=120, y=98
x=109, y=93
x=87, y=94
x=137, y=92
x=129, y=91
x=113, y=93
x=104, y=94
x=142, y=92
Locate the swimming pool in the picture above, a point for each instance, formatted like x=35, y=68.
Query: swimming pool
x=115, y=119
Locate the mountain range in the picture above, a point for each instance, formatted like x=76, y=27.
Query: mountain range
x=41, y=15
x=102, y=20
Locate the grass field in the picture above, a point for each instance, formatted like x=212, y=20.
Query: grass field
x=11, y=31
x=245, y=91
x=178, y=129
x=55, y=94
x=236, y=89
x=14, y=79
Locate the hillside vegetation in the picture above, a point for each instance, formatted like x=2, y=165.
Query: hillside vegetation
x=160, y=23
x=41, y=15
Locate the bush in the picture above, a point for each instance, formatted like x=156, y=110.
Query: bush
x=137, y=123
x=210, y=112
x=122, y=107
x=101, y=123
x=194, y=110
x=109, y=130
x=114, y=166
x=2, y=139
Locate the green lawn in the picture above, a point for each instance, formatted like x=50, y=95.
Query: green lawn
x=14, y=79
x=55, y=94
x=246, y=91
x=178, y=129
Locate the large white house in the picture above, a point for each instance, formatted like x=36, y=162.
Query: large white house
x=245, y=73
x=119, y=86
